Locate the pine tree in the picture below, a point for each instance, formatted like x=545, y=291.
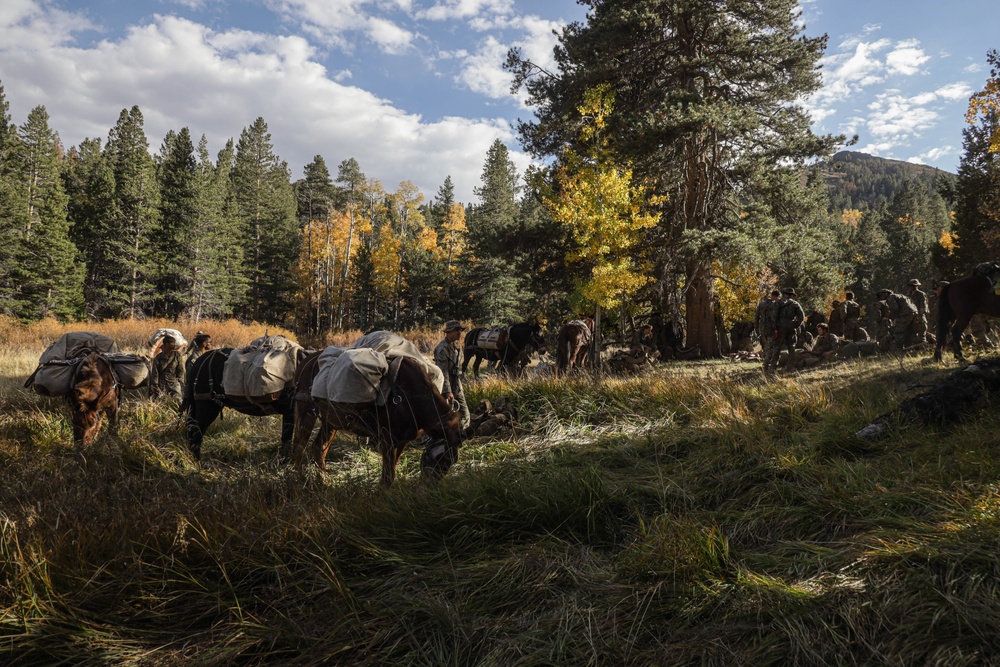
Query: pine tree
x=8, y=222
x=49, y=280
x=127, y=286
x=315, y=195
x=179, y=197
x=707, y=94
x=266, y=205
x=492, y=222
x=90, y=186
x=214, y=266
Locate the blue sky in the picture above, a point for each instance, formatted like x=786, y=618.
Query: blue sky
x=414, y=89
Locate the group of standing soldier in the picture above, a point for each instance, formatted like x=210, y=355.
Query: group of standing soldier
x=777, y=321
x=901, y=322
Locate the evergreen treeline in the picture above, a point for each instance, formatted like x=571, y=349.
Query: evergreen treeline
x=109, y=228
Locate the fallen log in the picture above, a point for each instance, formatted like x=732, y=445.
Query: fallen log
x=957, y=395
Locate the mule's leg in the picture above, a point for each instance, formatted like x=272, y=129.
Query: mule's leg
x=287, y=433
x=305, y=421
x=956, y=336
x=200, y=416
x=475, y=366
x=321, y=444
x=113, y=413
x=390, y=457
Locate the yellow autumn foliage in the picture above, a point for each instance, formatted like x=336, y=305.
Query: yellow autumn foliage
x=984, y=104
x=605, y=211
x=948, y=241
x=738, y=288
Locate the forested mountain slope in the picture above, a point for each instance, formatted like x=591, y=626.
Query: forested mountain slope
x=865, y=182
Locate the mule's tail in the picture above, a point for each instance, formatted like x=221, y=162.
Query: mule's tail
x=562, y=353
x=945, y=315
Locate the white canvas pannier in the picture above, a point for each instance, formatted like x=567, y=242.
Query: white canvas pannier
x=261, y=369
x=352, y=376
x=58, y=363
x=492, y=339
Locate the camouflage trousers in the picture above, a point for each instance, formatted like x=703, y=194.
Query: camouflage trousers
x=773, y=351
x=852, y=329
x=463, y=406
x=920, y=328
x=770, y=350
x=902, y=332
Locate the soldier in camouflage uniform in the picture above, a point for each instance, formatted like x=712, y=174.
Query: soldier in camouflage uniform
x=838, y=318
x=200, y=344
x=825, y=349
x=789, y=320
x=919, y=299
x=766, y=324
x=852, y=319
x=447, y=356
x=883, y=323
x=902, y=313
x=166, y=375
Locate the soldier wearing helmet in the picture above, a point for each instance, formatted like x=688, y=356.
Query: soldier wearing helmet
x=901, y=314
x=919, y=299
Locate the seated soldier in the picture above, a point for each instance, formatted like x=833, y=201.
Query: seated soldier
x=826, y=347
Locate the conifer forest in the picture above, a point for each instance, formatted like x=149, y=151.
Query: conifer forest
x=131, y=226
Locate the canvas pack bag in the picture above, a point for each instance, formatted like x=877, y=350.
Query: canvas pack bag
x=492, y=339
x=262, y=369
x=394, y=346
x=351, y=376
x=58, y=363
x=131, y=370
x=179, y=339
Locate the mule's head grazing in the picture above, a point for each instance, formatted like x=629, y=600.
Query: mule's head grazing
x=433, y=414
x=94, y=390
x=537, y=337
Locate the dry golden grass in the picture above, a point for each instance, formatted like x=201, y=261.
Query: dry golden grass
x=133, y=335
x=698, y=514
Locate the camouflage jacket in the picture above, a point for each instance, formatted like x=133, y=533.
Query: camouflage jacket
x=838, y=315
x=853, y=310
x=899, y=306
x=790, y=314
x=919, y=300
x=166, y=373
x=826, y=343
x=447, y=357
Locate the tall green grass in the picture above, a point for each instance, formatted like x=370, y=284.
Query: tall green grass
x=696, y=514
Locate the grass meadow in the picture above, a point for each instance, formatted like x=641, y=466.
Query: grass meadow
x=694, y=515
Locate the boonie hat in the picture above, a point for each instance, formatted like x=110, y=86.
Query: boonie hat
x=914, y=282
x=790, y=291
x=452, y=325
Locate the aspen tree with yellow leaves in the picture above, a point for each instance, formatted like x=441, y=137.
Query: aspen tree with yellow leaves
x=606, y=212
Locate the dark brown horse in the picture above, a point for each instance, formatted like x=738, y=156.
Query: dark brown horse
x=958, y=302
x=94, y=391
x=414, y=406
x=572, y=344
x=204, y=398
x=520, y=341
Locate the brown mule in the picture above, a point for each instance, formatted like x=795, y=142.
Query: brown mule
x=95, y=391
x=414, y=407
